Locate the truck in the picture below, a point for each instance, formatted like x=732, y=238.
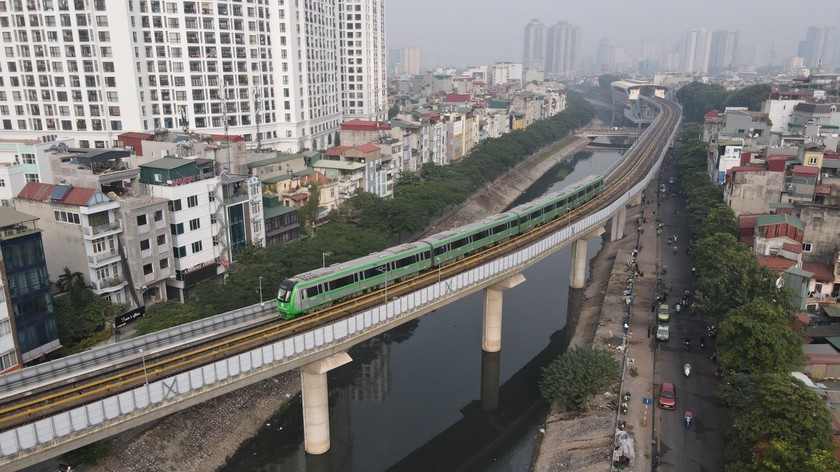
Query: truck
x=663, y=332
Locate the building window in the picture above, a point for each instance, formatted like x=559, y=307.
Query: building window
x=141, y=220
x=66, y=217
x=2, y=182
x=159, y=215
x=176, y=228
x=164, y=263
x=215, y=240
x=212, y=219
x=144, y=244
x=180, y=252
x=807, y=247
x=103, y=273
x=196, y=247
x=147, y=269
x=211, y=196
x=31, y=177
x=29, y=158
x=161, y=239
x=192, y=201
x=175, y=205
x=812, y=160
x=8, y=360
x=195, y=224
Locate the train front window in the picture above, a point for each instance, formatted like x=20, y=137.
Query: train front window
x=285, y=291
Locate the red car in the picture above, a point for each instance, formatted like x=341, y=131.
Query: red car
x=667, y=396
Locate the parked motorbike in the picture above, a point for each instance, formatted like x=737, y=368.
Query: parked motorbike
x=687, y=369
x=687, y=419
x=624, y=408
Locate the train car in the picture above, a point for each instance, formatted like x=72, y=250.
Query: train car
x=451, y=245
x=320, y=287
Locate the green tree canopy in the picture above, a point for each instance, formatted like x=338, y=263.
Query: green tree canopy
x=576, y=375
x=758, y=337
x=719, y=219
x=752, y=97
x=783, y=410
x=697, y=99
x=780, y=456
x=729, y=276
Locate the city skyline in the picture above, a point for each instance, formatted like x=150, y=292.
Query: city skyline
x=500, y=35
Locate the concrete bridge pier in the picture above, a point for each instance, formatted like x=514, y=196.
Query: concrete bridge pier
x=316, y=405
x=578, y=275
x=491, y=340
x=617, y=224
x=490, y=375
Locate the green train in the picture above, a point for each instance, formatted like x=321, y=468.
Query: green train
x=317, y=288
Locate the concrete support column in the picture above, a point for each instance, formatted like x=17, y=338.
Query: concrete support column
x=490, y=375
x=578, y=276
x=491, y=340
x=617, y=224
x=316, y=405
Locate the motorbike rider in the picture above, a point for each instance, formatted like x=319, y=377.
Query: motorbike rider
x=687, y=343
x=687, y=369
x=687, y=418
x=675, y=249
x=702, y=342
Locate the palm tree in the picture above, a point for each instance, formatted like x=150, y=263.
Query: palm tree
x=73, y=283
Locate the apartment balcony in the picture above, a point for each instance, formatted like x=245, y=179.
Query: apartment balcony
x=236, y=199
x=102, y=258
x=149, y=277
x=143, y=229
x=160, y=224
x=92, y=232
x=110, y=285
x=163, y=248
x=146, y=253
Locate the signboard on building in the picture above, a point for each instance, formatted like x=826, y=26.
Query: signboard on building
x=122, y=319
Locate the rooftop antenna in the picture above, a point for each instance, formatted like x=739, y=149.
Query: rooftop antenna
x=184, y=122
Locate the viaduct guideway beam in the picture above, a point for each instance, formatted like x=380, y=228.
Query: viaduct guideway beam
x=316, y=406
x=578, y=276
x=491, y=340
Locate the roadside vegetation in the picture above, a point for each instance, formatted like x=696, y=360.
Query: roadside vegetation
x=576, y=375
x=779, y=424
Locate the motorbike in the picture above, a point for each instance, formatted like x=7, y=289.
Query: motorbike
x=688, y=418
x=694, y=271
x=687, y=344
x=702, y=342
x=624, y=408
x=626, y=397
x=670, y=240
x=677, y=308
x=664, y=269
x=687, y=369
x=675, y=249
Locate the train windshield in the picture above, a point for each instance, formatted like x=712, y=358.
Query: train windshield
x=285, y=291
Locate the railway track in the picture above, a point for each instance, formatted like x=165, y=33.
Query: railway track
x=65, y=394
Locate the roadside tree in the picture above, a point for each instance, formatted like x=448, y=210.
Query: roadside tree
x=757, y=337
x=576, y=375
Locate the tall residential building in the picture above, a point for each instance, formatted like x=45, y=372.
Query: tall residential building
x=562, y=49
x=694, y=51
x=89, y=69
x=27, y=309
x=395, y=61
x=533, y=53
x=647, y=49
x=361, y=48
x=724, y=48
x=411, y=61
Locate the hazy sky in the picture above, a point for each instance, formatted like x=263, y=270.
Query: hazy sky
x=463, y=32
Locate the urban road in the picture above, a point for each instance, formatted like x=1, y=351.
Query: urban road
x=699, y=448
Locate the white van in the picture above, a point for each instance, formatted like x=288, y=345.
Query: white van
x=663, y=332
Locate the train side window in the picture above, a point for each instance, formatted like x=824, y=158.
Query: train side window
x=481, y=235
x=304, y=294
x=500, y=228
x=459, y=243
x=440, y=250
x=342, y=282
x=405, y=261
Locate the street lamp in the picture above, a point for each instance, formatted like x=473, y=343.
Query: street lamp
x=145, y=373
x=384, y=270
x=261, y=299
x=324, y=258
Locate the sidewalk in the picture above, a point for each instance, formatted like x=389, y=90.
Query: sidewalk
x=639, y=342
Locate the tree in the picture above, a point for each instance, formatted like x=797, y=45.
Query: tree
x=758, y=337
x=393, y=111
x=780, y=456
x=697, y=99
x=576, y=375
x=719, y=219
x=729, y=276
x=79, y=312
x=752, y=97
x=781, y=409
x=166, y=315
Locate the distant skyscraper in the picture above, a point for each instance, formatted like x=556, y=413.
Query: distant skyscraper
x=363, y=59
x=411, y=61
x=723, y=51
x=816, y=47
x=562, y=49
x=647, y=49
x=533, y=54
x=694, y=51
x=395, y=62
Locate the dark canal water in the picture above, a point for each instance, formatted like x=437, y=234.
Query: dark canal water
x=413, y=398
